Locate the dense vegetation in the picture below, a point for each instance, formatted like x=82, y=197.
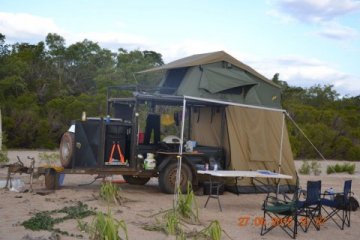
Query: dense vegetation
x=44, y=86
x=331, y=122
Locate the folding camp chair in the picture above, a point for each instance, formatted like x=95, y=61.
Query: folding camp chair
x=341, y=202
x=309, y=210
x=281, y=213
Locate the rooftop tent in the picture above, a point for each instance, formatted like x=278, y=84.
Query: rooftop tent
x=218, y=75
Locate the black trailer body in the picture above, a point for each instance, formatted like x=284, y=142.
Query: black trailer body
x=115, y=144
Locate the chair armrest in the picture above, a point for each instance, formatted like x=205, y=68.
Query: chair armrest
x=324, y=194
x=274, y=200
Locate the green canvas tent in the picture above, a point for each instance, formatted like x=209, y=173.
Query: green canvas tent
x=247, y=120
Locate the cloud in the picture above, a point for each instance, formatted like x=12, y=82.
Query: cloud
x=317, y=11
x=297, y=71
x=188, y=47
x=113, y=40
x=337, y=32
x=323, y=14
x=24, y=27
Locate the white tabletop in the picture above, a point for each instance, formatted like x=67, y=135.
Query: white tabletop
x=250, y=174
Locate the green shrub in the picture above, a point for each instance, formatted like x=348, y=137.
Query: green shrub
x=175, y=221
x=305, y=168
x=338, y=168
x=349, y=168
x=315, y=168
x=186, y=205
x=330, y=169
x=3, y=157
x=110, y=193
x=172, y=223
x=46, y=220
x=49, y=158
x=106, y=227
x=213, y=231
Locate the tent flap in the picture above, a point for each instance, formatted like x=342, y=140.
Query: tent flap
x=216, y=79
x=255, y=139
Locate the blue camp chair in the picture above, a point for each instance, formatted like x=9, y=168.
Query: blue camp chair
x=339, y=203
x=281, y=213
x=309, y=210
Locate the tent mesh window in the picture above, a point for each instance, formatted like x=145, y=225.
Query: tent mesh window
x=173, y=80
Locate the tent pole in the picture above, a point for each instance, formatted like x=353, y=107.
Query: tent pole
x=281, y=142
x=281, y=149
x=234, y=104
x=178, y=172
x=303, y=133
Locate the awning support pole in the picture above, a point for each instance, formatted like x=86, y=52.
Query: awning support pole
x=178, y=172
x=281, y=142
x=281, y=149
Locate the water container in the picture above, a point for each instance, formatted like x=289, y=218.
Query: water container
x=149, y=162
x=190, y=145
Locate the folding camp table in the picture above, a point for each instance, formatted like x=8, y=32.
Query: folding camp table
x=238, y=175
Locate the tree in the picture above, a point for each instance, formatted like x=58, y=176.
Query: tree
x=130, y=63
x=83, y=61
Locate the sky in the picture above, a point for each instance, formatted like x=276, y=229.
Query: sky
x=307, y=42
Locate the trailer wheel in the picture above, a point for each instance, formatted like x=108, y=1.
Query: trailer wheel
x=51, y=180
x=135, y=180
x=167, y=177
x=67, y=149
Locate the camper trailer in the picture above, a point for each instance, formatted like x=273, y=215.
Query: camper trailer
x=210, y=110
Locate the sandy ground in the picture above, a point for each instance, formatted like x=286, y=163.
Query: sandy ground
x=148, y=200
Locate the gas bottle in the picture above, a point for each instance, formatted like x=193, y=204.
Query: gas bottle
x=149, y=162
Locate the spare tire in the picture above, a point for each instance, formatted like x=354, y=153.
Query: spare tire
x=67, y=149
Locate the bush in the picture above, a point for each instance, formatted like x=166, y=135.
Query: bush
x=305, y=168
x=338, y=168
x=111, y=193
x=315, y=167
x=175, y=221
x=3, y=157
x=50, y=159
x=106, y=227
x=330, y=169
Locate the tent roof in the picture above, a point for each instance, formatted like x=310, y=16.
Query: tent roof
x=207, y=58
